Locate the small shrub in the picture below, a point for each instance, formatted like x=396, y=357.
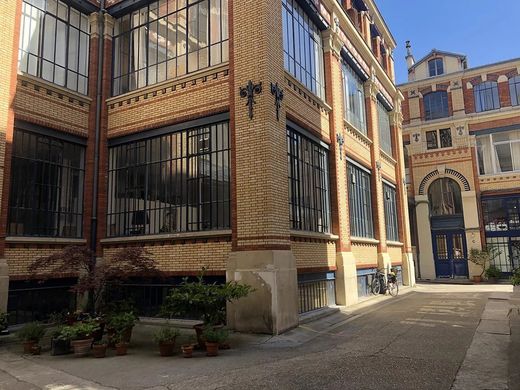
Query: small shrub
x=166, y=334
x=122, y=321
x=33, y=331
x=78, y=331
x=515, y=278
x=215, y=335
x=493, y=272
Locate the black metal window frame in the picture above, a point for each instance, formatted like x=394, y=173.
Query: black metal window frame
x=390, y=205
x=47, y=185
x=435, y=67
x=54, y=43
x=354, y=98
x=168, y=39
x=436, y=105
x=486, y=96
x=309, y=183
x=360, y=200
x=436, y=139
x=385, y=130
x=303, y=47
x=514, y=90
x=172, y=182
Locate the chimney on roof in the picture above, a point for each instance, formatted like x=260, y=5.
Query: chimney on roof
x=410, y=60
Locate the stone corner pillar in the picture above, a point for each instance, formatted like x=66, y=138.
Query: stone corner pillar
x=408, y=270
x=425, y=237
x=346, y=279
x=273, y=305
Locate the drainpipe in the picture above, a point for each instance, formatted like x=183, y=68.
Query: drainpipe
x=99, y=102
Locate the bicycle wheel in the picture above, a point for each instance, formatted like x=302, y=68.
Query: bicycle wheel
x=393, y=288
x=375, y=286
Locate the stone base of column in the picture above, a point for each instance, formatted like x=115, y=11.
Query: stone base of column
x=408, y=270
x=273, y=307
x=384, y=261
x=4, y=285
x=346, y=279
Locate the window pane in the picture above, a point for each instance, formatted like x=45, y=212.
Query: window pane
x=445, y=137
x=486, y=96
x=431, y=140
x=360, y=202
x=354, y=99
x=385, y=132
x=436, y=105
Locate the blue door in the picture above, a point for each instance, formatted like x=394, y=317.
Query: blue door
x=450, y=254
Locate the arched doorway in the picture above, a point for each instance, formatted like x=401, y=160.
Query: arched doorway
x=447, y=225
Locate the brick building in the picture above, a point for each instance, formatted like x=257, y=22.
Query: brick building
x=259, y=139
x=462, y=137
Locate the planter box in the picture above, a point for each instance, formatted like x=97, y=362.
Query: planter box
x=60, y=347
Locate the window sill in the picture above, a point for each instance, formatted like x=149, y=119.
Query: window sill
x=357, y=132
x=319, y=236
x=44, y=240
x=311, y=94
x=167, y=237
x=394, y=243
x=361, y=240
x=387, y=157
x=54, y=87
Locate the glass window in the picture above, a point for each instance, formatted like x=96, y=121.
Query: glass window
x=302, y=46
x=360, y=202
x=436, y=105
x=445, y=137
x=486, y=96
x=46, y=196
x=172, y=183
x=54, y=44
x=309, y=192
x=431, y=140
x=499, y=152
x=435, y=67
x=392, y=231
x=514, y=90
x=385, y=132
x=444, y=197
x=168, y=39
x=354, y=99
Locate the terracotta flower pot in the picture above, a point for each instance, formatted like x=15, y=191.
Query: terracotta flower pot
x=477, y=278
x=99, y=350
x=211, y=349
x=166, y=349
x=121, y=349
x=81, y=347
x=28, y=345
x=36, y=349
x=187, y=350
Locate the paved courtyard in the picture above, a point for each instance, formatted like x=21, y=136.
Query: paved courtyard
x=419, y=340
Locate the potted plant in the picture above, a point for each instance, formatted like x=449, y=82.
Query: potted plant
x=187, y=349
x=204, y=301
x=81, y=336
x=493, y=273
x=121, y=344
x=165, y=337
x=30, y=335
x=122, y=323
x=4, y=323
x=515, y=281
x=213, y=337
x=60, y=341
x=99, y=348
x=482, y=257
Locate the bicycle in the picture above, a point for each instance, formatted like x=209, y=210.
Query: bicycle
x=381, y=283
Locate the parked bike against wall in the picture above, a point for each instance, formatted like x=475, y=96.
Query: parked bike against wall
x=382, y=284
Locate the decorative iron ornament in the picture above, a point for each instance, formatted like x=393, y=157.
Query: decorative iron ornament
x=249, y=92
x=341, y=142
x=278, y=97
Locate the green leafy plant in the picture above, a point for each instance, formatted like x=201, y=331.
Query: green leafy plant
x=204, y=301
x=33, y=331
x=103, y=341
x=120, y=322
x=215, y=335
x=79, y=331
x=493, y=272
x=167, y=334
x=482, y=257
x=515, y=278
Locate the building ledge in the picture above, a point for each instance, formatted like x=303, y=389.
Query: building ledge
x=361, y=240
x=319, y=236
x=394, y=243
x=45, y=240
x=311, y=95
x=53, y=87
x=168, y=237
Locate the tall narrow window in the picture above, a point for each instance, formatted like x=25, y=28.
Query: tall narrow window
x=385, y=132
x=168, y=39
x=486, y=96
x=46, y=187
x=309, y=192
x=302, y=46
x=54, y=43
x=354, y=99
x=360, y=202
x=435, y=67
x=445, y=198
x=436, y=105
x=390, y=203
x=514, y=90
x=178, y=182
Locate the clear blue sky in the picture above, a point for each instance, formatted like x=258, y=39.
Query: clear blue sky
x=486, y=31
